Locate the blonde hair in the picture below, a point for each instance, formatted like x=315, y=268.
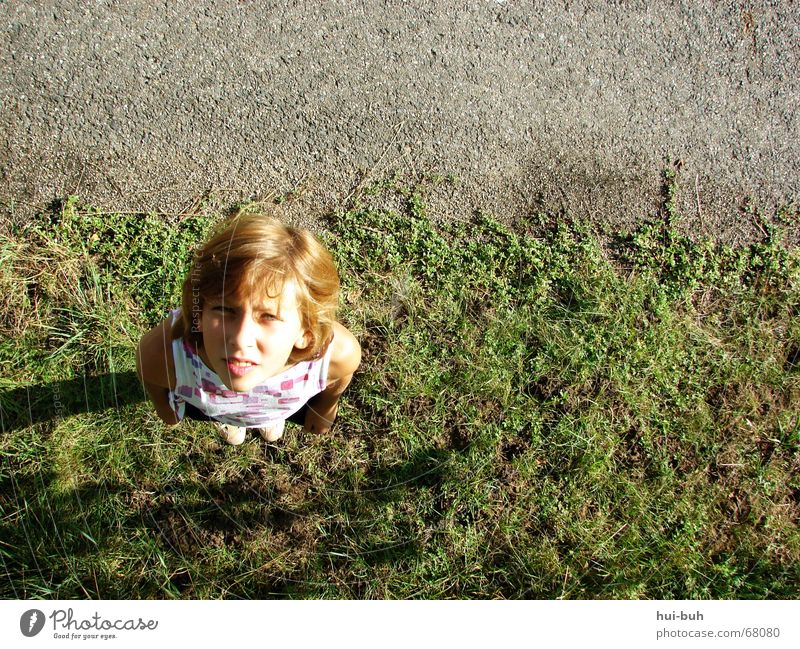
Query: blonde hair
x=255, y=255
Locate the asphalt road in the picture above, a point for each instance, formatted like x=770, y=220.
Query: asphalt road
x=569, y=107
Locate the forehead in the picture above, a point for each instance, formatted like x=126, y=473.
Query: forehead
x=263, y=299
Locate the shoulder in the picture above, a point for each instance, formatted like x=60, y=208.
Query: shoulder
x=346, y=352
x=154, y=359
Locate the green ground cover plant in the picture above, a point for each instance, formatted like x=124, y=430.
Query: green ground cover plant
x=541, y=412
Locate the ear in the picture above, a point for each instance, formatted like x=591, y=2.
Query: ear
x=303, y=341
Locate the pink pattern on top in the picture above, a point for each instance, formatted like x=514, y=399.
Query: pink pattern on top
x=277, y=398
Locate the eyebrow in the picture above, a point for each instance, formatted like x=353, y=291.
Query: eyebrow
x=274, y=305
x=273, y=308
x=265, y=306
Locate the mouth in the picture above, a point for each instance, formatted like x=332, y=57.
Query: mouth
x=239, y=367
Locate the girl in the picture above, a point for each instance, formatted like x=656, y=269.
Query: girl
x=255, y=341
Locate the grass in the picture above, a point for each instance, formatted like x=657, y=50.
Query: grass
x=542, y=412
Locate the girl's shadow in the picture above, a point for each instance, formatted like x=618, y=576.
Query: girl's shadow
x=29, y=405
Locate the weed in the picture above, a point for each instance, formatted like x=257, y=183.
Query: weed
x=536, y=416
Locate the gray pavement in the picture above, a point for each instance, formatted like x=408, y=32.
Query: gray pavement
x=562, y=107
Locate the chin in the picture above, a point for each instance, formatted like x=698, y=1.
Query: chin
x=238, y=381
x=238, y=384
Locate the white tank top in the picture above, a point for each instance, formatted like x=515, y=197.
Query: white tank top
x=277, y=398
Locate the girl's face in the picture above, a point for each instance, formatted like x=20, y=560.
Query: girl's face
x=247, y=342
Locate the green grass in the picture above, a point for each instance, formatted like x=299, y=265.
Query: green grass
x=541, y=412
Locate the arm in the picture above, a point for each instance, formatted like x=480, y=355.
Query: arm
x=345, y=359
x=156, y=369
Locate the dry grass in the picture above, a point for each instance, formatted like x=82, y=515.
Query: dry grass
x=536, y=416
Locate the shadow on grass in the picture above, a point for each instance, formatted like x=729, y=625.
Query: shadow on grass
x=184, y=537
x=32, y=404
x=258, y=536
x=62, y=542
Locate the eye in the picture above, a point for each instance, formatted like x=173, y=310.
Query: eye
x=221, y=308
x=268, y=317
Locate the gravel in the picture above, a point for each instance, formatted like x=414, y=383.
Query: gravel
x=568, y=108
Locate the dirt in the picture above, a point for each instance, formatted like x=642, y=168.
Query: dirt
x=569, y=108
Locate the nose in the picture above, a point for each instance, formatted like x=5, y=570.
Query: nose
x=241, y=331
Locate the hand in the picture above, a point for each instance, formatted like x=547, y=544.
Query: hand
x=320, y=420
